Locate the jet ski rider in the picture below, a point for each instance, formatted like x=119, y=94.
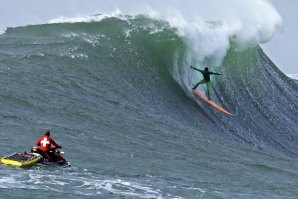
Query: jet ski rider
x=45, y=145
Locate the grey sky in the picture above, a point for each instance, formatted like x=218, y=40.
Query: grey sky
x=281, y=49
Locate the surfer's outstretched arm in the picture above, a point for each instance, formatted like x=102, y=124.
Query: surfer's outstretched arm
x=196, y=69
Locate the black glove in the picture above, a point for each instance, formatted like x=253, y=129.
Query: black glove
x=59, y=147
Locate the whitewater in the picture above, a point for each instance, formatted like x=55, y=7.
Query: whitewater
x=112, y=83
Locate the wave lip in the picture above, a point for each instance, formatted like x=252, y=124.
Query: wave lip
x=90, y=18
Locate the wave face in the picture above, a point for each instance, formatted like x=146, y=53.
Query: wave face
x=116, y=94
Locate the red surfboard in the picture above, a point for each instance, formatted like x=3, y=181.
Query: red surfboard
x=203, y=97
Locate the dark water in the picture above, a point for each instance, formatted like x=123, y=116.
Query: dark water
x=116, y=95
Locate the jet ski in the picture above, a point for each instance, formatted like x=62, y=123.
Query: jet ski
x=53, y=158
x=37, y=156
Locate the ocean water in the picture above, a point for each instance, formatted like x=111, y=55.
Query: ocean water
x=116, y=94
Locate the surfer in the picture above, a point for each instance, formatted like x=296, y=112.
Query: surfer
x=45, y=145
x=206, y=74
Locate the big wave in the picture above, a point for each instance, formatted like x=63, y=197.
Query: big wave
x=157, y=48
x=153, y=54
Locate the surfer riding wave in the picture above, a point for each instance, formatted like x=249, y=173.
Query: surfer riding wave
x=206, y=74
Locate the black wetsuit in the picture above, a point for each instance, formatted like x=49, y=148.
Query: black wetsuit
x=206, y=74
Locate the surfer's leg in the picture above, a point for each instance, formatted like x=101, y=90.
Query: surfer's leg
x=200, y=82
x=208, y=83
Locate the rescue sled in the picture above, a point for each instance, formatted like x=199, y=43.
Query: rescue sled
x=21, y=159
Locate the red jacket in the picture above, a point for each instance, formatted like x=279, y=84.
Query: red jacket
x=45, y=142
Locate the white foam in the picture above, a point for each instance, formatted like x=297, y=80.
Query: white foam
x=15, y=181
x=121, y=187
x=209, y=26
x=90, y=18
x=293, y=76
x=2, y=30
